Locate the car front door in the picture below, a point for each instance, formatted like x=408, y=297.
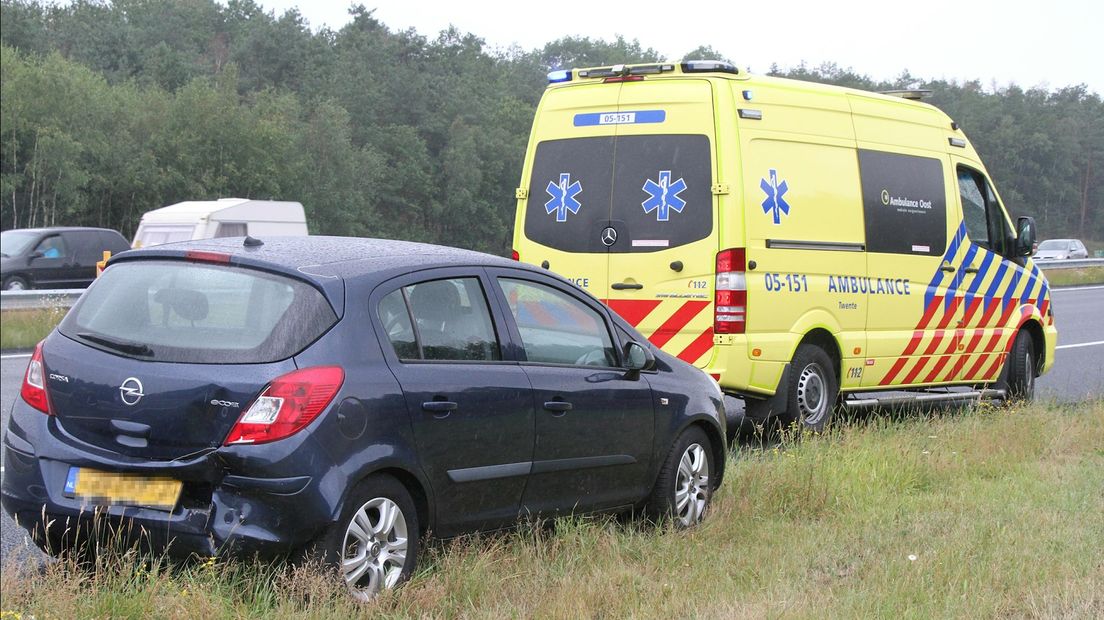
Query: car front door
x=470, y=406
x=594, y=420
x=50, y=262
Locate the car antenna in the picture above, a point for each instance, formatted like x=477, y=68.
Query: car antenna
x=252, y=242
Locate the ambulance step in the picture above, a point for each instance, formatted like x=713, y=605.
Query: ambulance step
x=922, y=397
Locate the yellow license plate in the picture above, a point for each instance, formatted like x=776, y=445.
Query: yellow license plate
x=112, y=488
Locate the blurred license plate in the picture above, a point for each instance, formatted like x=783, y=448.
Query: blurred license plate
x=111, y=488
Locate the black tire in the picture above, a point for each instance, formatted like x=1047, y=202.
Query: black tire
x=812, y=389
x=17, y=283
x=692, y=481
x=1019, y=369
x=339, y=542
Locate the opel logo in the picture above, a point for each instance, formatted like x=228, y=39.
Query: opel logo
x=609, y=236
x=131, y=391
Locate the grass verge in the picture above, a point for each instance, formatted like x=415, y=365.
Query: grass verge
x=23, y=329
x=983, y=513
x=1075, y=277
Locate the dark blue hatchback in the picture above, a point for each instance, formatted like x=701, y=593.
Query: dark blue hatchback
x=341, y=397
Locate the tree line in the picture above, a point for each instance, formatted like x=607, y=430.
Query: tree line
x=110, y=109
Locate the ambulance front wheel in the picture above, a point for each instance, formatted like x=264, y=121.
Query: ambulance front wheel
x=1019, y=369
x=812, y=389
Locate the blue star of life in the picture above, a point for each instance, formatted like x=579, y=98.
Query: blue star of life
x=563, y=197
x=774, y=204
x=663, y=196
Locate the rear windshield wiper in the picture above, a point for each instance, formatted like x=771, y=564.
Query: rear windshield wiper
x=122, y=346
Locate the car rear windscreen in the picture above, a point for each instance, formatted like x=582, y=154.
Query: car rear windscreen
x=653, y=190
x=177, y=311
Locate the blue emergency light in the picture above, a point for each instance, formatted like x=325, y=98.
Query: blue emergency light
x=562, y=75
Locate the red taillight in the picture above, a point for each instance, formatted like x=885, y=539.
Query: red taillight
x=514, y=255
x=34, y=383
x=288, y=404
x=730, y=296
x=207, y=257
x=625, y=78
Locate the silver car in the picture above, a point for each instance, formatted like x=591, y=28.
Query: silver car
x=1061, y=249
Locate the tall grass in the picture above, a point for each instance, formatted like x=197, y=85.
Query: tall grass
x=984, y=513
x=1077, y=276
x=23, y=329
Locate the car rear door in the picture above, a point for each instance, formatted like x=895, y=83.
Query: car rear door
x=663, y=211
x=594, y=421
x=470, y=404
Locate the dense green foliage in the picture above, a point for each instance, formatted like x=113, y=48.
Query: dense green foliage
x=110, y=109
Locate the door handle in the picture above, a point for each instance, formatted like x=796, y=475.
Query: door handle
x=439, y=406
x=558, y=406
x=947, y=268
x=621, y=286
x=971, y=270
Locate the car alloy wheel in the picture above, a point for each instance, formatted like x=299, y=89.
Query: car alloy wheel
x=692, y=485
x=374, y=550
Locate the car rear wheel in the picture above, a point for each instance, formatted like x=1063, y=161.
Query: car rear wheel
x=1019, y=369
x=685, y=484
x=16, y=283
x=812, y=390
x=374, y=545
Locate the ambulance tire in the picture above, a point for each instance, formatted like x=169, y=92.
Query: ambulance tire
x=1019, y=370
x=812, y=390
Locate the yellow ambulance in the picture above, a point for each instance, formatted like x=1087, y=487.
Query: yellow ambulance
x=806, y=245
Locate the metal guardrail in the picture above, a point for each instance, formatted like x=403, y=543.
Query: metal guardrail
x=1070, y=263
x=65, y=298
x=46, y=298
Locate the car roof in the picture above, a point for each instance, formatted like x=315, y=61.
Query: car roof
x=61, y=229
x=325, y=257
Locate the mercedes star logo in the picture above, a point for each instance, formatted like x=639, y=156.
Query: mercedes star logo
x=131, y=391
x=609, y=236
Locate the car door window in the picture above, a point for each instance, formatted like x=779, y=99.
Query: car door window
x=982, y=213
x=440, y=320
x=556, y=328
x=52, y=247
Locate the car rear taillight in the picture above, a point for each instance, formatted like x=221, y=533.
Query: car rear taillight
x=514, y=255
x=287, y=405
x=34, y=383
x=730, y=297
x=201, y=256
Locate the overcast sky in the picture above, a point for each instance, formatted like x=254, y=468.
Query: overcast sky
x=1050, y=43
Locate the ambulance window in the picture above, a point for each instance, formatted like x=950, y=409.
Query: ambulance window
x=981, y=212
x=904, y=203
x=569, y=194
x=661, y=192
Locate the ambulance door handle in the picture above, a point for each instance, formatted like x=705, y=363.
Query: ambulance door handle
x=947, y=268
x=971, y=270
x=622, y=286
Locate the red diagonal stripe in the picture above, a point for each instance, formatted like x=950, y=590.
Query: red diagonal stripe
x=939, y=333
x=970, y=310
x=993, y=305
x=678, y=320
x=938, y=367
x=995, y=368
x=633, y=310
x=976, y=367
x=923, y=361
x=701, y=345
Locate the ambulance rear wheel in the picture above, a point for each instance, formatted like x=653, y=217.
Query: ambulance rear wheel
x=812, y=391
x=1019, y=369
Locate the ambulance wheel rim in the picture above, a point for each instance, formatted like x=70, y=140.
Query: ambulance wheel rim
x=812, y=397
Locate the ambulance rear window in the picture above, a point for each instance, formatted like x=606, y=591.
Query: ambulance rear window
x=652, y=190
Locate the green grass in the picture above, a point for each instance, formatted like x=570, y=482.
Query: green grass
x=23, y=329
x=982, y=513
x=1075, y=277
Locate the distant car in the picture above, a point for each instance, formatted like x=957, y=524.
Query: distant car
x=1061, y=249
x=54, y=257
x=342, y=397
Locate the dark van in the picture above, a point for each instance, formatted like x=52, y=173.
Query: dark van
x=54, y=257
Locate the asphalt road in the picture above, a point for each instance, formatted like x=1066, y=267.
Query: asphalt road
x=1078, y=373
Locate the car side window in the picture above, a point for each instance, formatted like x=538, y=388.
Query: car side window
x=981, y=211
x=52, y=247
x=556, y=328
x=440, y=320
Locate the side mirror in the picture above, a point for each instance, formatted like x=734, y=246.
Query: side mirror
x=638, y=357
x=34, y=255
x=1025, y=236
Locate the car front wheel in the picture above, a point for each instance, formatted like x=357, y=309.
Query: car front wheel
x=16, y=283
x=685, y=483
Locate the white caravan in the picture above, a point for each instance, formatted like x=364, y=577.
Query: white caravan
x=225, y=217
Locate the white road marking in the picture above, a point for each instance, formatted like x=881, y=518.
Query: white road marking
x=1073, y=289
x=1080, y=344
x=14, y=356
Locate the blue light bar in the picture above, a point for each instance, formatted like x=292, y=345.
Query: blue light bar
x=563, y=75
